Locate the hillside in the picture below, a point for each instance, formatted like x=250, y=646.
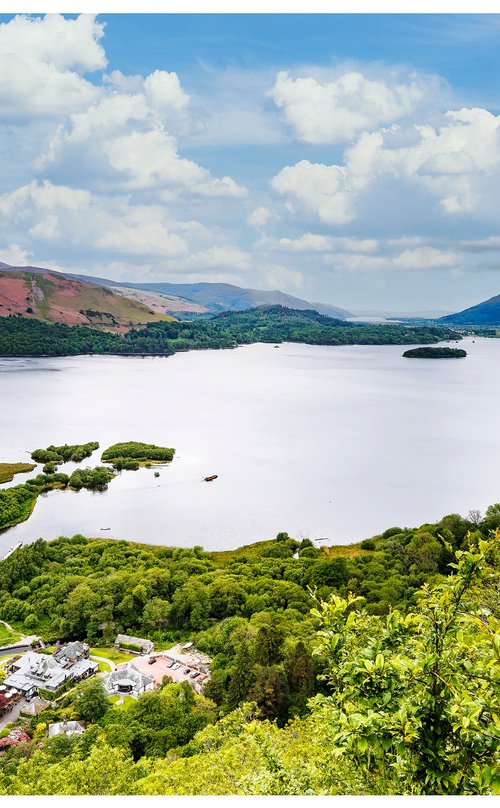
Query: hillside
x=370, y=672
x=485, y=313
x=217, y=297
x=55, y=298
x=188, y=299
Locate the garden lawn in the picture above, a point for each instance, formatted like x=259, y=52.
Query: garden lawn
x=7, y=637
x=127, y=701
x=114, y=654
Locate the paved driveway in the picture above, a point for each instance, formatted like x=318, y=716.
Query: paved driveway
x=160, y=669
x=13, y=714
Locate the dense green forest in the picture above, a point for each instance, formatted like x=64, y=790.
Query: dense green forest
x=435, y=353
x=366, y=669
x=20, y=336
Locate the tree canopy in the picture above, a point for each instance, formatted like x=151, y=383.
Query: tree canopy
x=21, y=336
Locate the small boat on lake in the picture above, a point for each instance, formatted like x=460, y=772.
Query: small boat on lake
x=212, y=477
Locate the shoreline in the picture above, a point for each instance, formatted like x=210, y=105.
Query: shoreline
x=274, y=343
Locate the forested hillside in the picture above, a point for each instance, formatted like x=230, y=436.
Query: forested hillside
x=20, y=336
x=366, y=669
x=485, y=313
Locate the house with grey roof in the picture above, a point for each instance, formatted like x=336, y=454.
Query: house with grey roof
x=66, y=728
x=126, y=680
x=35, y=706
x=138, y=644
x=72, y=652
x=34, y=672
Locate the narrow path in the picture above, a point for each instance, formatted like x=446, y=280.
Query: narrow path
x=9, y=628
x=103, y=659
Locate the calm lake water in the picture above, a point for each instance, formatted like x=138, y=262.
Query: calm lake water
x=326, y=442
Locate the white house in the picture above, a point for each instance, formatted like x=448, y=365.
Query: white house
x=126, y=680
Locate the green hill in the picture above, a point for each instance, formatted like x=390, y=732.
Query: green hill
x=486, y=313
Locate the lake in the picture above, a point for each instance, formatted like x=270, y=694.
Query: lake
x=333, y=443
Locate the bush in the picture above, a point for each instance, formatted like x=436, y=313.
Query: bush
x=142, y=452
x=391, y=531
x=62, y=454
x=130, y=646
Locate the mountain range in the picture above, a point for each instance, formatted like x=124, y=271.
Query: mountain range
x=55, y=296
x=62, y=297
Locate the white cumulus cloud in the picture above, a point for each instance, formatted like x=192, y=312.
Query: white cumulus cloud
x=337, y=110
x=14, y=255
x=320, y=189
x=42, y=62
x=457, y=164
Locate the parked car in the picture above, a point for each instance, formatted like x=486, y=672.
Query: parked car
x=176, y=666
x=187, y=670
x=151, y=660
x=195, y=674
x=171, y=664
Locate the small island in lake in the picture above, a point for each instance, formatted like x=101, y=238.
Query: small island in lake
x=18, y=501
x=435, y=353
x=131, y=455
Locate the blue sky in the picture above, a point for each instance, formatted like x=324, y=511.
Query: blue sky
x=353, y=159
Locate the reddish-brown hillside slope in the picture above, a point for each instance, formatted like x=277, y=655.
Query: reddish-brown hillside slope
x=58, y=299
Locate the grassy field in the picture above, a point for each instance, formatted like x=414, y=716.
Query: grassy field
x=127, y=701
x=7, y=470
x=344, y=550
x=41, y=629
x=224, y=557
x=7, y=637
x=114, y=654
x=104, y=667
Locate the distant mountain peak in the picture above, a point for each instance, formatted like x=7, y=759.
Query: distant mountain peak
x=485, y=313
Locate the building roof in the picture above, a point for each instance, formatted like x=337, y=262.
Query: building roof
x=66, y=728
x=83, y=666
x=126, y=638
x=38, y=670
x=35, y=706
x=128, y=675
x=71, y=651
x=42, y=671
